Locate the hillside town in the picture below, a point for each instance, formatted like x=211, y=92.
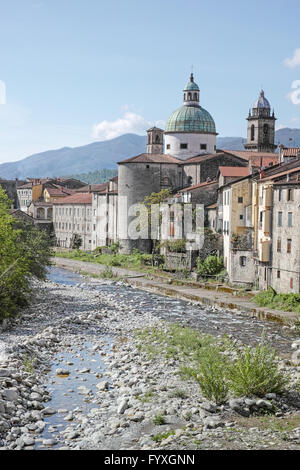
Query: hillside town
x=251, y=198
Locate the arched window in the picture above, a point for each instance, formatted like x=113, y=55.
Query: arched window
x=189, y=96
x=252, y=132
x=266, y=132
x=157, y=139
x=195, y=96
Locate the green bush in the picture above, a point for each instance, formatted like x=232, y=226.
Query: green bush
x=256, y=372
x=212, y=375
x=212, y=265
x=286, y=302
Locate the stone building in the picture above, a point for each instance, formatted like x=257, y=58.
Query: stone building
x=277, y=242
x=72, y=216
x=105, y=213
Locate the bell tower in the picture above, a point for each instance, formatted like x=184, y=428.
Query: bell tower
x=261, y=127
x=155, y=140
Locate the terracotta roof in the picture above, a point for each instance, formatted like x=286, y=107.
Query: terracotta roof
x=248, y=155
x=92, y=188
x=291, y=152
x=59, y=191
x=238, y=171
x=77, y=198
x=151, y=158
x=196, y=186
x=283, y=173
x=25, y=186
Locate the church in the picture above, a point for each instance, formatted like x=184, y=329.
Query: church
x=184, y=159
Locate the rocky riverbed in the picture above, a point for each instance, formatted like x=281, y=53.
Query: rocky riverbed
x=72, y=376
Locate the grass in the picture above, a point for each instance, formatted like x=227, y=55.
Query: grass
x=159, y=420
x=162, y=436
x=284, y=302
x=134, y=261
x=146, y=398
x=251, y=371
x=29, y=363
x=178, y=394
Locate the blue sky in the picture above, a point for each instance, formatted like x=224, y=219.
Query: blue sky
x=76, y=71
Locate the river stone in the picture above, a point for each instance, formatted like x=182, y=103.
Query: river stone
x=62, y=372
x=48, y=411
x=10, y=394
x=49, y=442
x=123, y=406
x=102, y=386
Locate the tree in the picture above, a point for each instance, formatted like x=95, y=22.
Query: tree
x=24, y=252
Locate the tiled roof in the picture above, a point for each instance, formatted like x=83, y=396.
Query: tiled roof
x=92, y=188
x=25, y=186
x=291, y=152
x=59, y=191
x=151, y=158
x=196, y=186
x=283, y=173
x=249, y=155
x=77, y=198
x=238, y=171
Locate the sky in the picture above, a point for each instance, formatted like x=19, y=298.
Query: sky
x=76, y=71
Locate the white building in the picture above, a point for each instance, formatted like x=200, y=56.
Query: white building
x=72, y=216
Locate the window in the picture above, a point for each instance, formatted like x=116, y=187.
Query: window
x=243, y=260
x=148, y=166
x=203, y=146
x=278, y=245
x=168, y=146
x=289, y=245
x=290, y=219
x=183, y=146
x=279, y=222
x=279, y=195
x=290, y=195
x=278, y=274
x=241, y=217
x=240, y=200
x=252, y=132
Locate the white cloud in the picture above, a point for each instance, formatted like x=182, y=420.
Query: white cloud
x=294, y=61
x=129, y=123
x=294, y=96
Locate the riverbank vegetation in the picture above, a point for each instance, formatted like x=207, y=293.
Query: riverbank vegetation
x=222, y=368
x=136, y=260
x=25, y=252
x=285, y=302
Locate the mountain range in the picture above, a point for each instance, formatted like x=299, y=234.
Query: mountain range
x=99, y=155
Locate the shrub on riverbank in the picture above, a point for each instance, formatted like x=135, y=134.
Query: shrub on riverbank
x=24, y=252
x=220, y=368
x=285, y=302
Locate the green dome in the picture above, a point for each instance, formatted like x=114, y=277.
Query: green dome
x=191, y=119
